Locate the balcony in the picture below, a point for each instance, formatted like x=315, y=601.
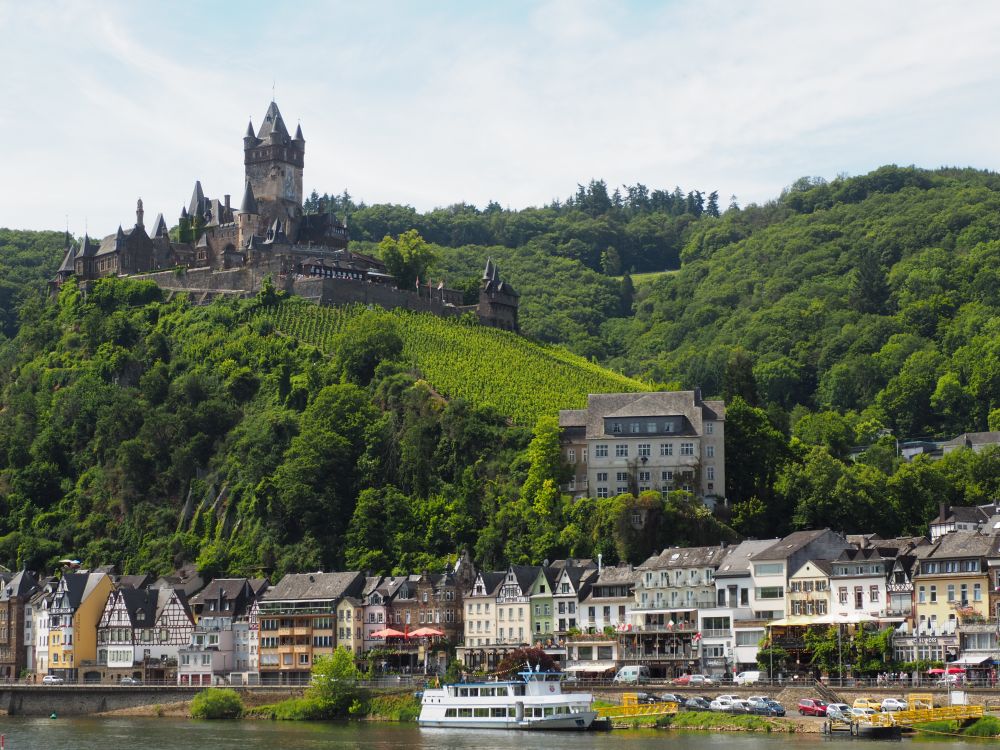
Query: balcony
x=716, y=633
x=986, y=626
x=674, y=606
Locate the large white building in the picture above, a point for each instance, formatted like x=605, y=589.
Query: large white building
x=635, y=442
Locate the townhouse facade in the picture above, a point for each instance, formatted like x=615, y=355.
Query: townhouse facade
x=637, y=442
x=15, y=623
x=298, y=622
x=75, y=609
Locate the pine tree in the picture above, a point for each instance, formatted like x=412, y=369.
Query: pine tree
x=712, y=209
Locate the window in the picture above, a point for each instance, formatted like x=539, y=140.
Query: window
x=571, y=455
x=643, y=476
x=636, y=519
x=633, y=427
x=709, y=428
x=602, y=476
x=710, y=473
x=933, y=594
x=770, y=592
x=687, y=449
x=873, y=594
x=710, y=451
x=650, y=426
x=666, y=449
x=667, y=476
x=951, y=592
x=977, y=592
x=619, y=490
x=622, y=476
x=602, y=491
x=600, y=451
x=643, y=450
x=621, y=450
x=921, y=595
x=616, y=428
x=583, y=455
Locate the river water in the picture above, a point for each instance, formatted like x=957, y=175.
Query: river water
x=182, y=734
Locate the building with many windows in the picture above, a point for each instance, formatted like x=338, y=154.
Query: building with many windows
x=634, y=442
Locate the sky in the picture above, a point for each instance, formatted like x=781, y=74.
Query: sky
x=436, y=103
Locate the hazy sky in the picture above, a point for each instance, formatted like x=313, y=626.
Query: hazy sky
x=438, y=102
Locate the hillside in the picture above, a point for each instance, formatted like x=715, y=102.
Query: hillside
x=487, y=367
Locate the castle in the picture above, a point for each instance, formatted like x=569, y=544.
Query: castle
x=220, y=250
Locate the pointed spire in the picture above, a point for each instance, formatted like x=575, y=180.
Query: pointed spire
x=298, y=133
x=489, y=270
x=197, y=206
x=273, y=124
x=160, y=227
x=249, y=203
x=139, y=213
x=184, y=212
x=249, y=133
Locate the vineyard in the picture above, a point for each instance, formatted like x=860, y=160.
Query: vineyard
x=484, y=366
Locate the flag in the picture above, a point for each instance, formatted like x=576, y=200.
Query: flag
x=697, y=637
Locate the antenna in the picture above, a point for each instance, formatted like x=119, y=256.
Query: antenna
x=272, y=90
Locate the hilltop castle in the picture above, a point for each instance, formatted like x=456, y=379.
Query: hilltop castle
x=221, y=250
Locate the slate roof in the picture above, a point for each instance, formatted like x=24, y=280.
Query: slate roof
x=614, y=575
x=22, y=584
x=134, y=582
x=737, y=561
x=525, y=575
x=824, y=566
x=324, y=586
x=273, y=123
x=249, y=203
x=969, y=439
x=160, y=228
x=492, y=580
x=966, y=514
x=627, y=405
x=782, y=548
x=69, y=260
x=686, y=557
x=958, y=544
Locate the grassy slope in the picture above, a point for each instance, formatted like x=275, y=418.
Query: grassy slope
x=485, y=366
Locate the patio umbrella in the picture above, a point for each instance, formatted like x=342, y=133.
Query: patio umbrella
x=387, y=633
x=426, y=633
x=935, y=670
x=955, y=670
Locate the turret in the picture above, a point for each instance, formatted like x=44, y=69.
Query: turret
x=249, y=139
x=138, y=214
x=197, y=205
x=298, y=139
x=249, y=204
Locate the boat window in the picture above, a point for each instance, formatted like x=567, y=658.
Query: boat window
x=562, y=710
x=500, y=713
x=464, y=692
x=548, y=710
x=481, y=712
x=449, y=713
x=465, y=712
x=518, y=689
x=473, y=692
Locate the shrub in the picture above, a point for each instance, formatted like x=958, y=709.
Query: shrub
x=217, y=703
x=988, y=726
x=295, y=709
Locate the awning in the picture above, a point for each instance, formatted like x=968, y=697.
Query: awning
x=971, y=661
x=661, y=610
x=852, y=618
x=794, y=620
x=594, y=666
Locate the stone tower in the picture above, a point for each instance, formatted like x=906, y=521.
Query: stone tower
x=274, y=162
x=498, y=300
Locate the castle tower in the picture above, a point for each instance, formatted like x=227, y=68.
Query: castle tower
x=498, y=300
x=274, y=162
x=247, y=218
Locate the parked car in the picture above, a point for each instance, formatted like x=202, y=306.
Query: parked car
x=648, y=698
x=673, y=698
x=951, y=680
x=812, y=707
x=632, y=674
x=692, y=680
x=727, y=697
x=863, y=713
x=130, y=681
x=753, y=698
x=747, y=678
x=766, y=707
x=740, y=706
x=839, y=711
x=721, y=705
x=894, y=704
x=872, y=703
x=51, y=679
x=697, y=704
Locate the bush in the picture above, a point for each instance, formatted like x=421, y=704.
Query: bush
x=988, y=726
x=294, y=709
x=217, y=703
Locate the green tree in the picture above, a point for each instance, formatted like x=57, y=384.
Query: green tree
x=407, y=257
x=334, y=681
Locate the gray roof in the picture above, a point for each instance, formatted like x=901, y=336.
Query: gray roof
x=958, y=544
x=23, y=584
x=325, y=586
x=249, y=203
x=525, y=575
x=781, y=549
x=140, y=581
x=69, y=260
x=966, y=514
x=613, y=575
x=197, y=205
x=273, y=123
x=737, y=561
x=968, y=439
x=824, y=566
x=686, y=557
x=645, y=404
x=160, y=228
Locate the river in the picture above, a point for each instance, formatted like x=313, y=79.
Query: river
x=182, y=734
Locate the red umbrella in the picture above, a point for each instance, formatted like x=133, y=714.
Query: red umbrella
x=935, y=670
x=387, y=633
x=956, y=670
x=426, y=633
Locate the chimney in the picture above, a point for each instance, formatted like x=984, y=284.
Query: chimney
x=599, y=558
x=942, y=511
x=226, y=200
x=697, y=394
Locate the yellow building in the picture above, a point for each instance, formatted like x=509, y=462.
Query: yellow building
x=77, y=605
x=951, y=582
x=350, y=625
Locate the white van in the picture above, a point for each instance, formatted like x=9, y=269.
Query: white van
x=747, y=678
x=632, y=675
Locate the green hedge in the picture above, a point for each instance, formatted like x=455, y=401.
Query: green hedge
x=217, y=703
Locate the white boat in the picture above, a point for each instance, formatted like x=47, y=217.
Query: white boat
x=534, y=701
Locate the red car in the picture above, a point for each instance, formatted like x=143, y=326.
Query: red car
x=812, y=707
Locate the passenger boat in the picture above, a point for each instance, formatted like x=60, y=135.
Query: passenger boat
x=533, y=701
